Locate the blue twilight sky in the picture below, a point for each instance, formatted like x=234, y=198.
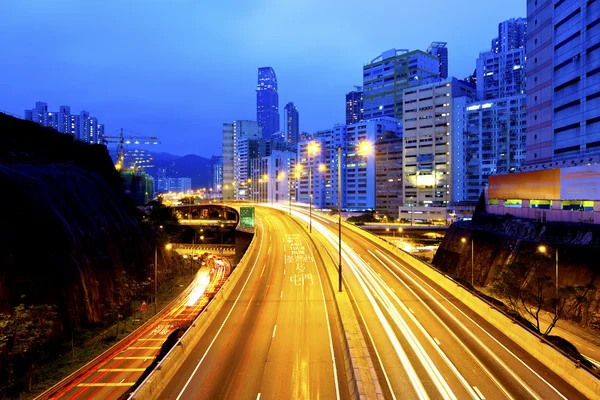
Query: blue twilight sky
x=178, y=69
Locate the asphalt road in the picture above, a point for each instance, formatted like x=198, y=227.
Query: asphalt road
x=424, y=342
x=275, y=337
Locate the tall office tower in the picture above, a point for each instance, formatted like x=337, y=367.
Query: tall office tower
x=501, y=71
x=237, y=153
x=267, y=101
x=217, y=174
x=489, y=138
x=227, y=187
x=428, y=134
x=354, y=105
x=387, y=75
x=440, y=50
x=63, y=119
x=388, y=173
x=292, y=124
x=563, y=77
x=511, y=35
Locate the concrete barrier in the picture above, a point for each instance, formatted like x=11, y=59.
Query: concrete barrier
x=158, y=379
x=564, y=367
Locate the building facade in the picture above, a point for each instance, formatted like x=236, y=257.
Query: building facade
x=228, y=146
x=292, y=124
x=489, y=138
x=217, y=175
x=178, y=185
x=273, y=179
x=388, y=173
x=387, y=76
x=427, y=148
x=440, y=50
x=81, y=126
x=563, y=82
x=267, y=102
x=354, y=105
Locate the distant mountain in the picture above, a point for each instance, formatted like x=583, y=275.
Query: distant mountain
x=196, y=167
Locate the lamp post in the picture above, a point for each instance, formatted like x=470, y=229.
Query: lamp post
x=297, y=174
x=222, y=226
x=363, y=149
x=169, y=246
x=313, y=148
x=464, y=240
x=543, y=249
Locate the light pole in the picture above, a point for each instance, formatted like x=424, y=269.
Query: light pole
x=313, y=148
x=297, y=174
x=363, y=148
x=472, y=260
x=543, y=249
x=169, y=246
x=222, y=226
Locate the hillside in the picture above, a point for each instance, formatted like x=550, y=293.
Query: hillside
x=196, y=167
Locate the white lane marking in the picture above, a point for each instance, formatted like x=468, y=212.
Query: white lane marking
x=478, y=392
x=337, y=385
x=274, y=330
x=284, y=272
x=281, y=295
x=258, y=397
x=223, y=324
x=411, y=310
x=469, y=332
x=437, y=341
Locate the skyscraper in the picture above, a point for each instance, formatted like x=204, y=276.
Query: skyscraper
x=511, y=35
x=354, y=105
x=292, y=124
x=267, y=102
x=440, y=50
x=387, y=75
x=563, y=78
x=501, y=71
x=240, y=145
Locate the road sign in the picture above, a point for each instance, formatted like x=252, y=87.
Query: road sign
x=247, y=217
x=143, y=307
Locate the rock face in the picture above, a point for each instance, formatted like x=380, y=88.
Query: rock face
x=68, y=235
x=500, y=240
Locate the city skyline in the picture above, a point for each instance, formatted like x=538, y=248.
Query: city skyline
x=129, y=86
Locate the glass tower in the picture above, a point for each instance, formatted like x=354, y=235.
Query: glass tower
x=267, y=102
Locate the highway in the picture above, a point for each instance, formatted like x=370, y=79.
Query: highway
x=275, y=336
x=115, y=372
x=424, y=342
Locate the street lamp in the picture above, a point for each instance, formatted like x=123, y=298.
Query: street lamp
x=464, y=240
x=169, y=246
x=222, y=226
x=298, y=169
x=313, y=148
x=544, y=250
x=364, y=148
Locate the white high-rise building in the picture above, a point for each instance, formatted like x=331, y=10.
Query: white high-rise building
x=237, y=153
x=428, y=134
x=82, y=127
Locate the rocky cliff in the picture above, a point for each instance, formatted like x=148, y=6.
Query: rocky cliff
x=68, y=234
x=500, y=240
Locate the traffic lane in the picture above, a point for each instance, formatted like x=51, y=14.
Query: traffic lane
x=434, y=369
x=391, y=373
x=223, y=326
x=460, y=361
x=300, y=362
x=507, y=379
x=247, y=380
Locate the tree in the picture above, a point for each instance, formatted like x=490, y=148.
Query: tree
x=529, y=290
